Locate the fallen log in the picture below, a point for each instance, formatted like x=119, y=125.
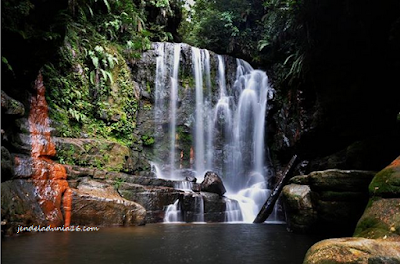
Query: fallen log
x=268, y=206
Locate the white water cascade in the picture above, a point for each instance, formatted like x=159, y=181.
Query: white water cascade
x=173, y=213
x=173, y=105
x=198, y=209
x=199, y=110
x=227, y=124
x=233, y=212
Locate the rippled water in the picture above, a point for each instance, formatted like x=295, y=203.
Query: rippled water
x=162, y=243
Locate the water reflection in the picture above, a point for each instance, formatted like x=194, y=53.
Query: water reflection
x=160, y=243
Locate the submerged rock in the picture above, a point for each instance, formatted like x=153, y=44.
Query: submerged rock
x=213, y=183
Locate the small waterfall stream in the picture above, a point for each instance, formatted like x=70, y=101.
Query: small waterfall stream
x=227, y=123
x=173, y=213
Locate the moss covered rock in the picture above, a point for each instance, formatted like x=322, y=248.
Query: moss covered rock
x=11, y=106
x=353, y=250
x=329, y=202
x=99, y=153
x=301, y=214
x=381, y=219
x=386, y=183
x=340, y=180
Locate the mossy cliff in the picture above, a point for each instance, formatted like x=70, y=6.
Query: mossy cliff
x=82, y=50
x=376, y=237
x=99, y=83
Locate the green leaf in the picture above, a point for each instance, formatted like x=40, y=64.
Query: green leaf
x=90, y=10
x=95, y=62
x=262, y=44
x=288, y=58
x=92, y=77
x=5, y=61
x=107, y=5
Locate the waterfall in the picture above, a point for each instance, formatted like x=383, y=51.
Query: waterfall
x=224, y=110
x=173, y=213
x=198, y=209
x=233, y=212
x=221, y=76
x=199, y=123
x=163, y=81
x=173, y=106
x=183, y=185
x=209, y=113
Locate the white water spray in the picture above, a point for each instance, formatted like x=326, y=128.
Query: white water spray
x=228, y=131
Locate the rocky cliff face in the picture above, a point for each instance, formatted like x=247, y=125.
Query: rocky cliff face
x=92, y=168
x=343, y=111
x=103, y=125
x=376, y=237
x=326, y=202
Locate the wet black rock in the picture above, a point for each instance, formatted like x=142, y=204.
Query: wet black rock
x=213, y=183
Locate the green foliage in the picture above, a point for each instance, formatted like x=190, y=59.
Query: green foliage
x=148, y=140
x=66, y=156
x=160, y=3
x=118, y=182
x=271, y=32
x=17, y=17
x=223, y=26
x=90, y=87
x=6, y=63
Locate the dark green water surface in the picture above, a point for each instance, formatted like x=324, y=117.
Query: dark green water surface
x=162, y=243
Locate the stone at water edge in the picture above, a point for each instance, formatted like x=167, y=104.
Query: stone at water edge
x=191, y=179
x=212, y=183
x=19, y=206
x=99, y=204
x=330, y=201
x=381, y=218
x=301, y=214
x=386, y=183
x=353, y=250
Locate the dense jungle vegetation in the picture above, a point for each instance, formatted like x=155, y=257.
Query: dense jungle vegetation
x=333, y=52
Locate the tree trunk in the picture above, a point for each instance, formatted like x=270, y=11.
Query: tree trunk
x=268, y=206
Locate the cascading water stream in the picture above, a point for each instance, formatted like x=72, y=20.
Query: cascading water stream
x=173, y=106
x=228, y=129
x=173, y=213
x=199, y=123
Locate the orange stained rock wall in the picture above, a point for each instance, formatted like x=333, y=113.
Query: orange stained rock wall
x=50, y=178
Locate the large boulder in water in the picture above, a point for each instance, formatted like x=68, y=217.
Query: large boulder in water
x=381, y=218
x=99, y=204
x=300, y=210
x=213, y=183
x=329, y=202
x=353, y=250
x=19, y=206
x=377, y=233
